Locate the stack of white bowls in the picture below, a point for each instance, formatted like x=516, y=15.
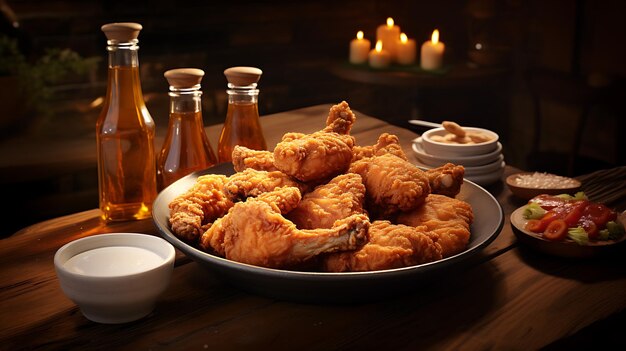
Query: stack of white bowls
x=483, y=162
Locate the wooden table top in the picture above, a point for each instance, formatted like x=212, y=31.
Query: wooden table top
x=510, y=298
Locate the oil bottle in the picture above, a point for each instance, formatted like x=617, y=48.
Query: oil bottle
x=186, y=147
x=125, y=133
x=242, y=125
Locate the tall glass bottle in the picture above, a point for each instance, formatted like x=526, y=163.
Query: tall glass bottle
x=242, y=125
x=125, y=133
x=186, y=147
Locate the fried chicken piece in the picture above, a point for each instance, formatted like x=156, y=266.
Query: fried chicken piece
x=340, y=119
x=386, y=144
x=251, y=182
x=447, y=221
x=389, y=246
x=199, y=206
x=281, y=201
x=261, y=160
x=392, y=184
x=446, y=180
x=321, y=155
x=255, y=232
x=341, y=197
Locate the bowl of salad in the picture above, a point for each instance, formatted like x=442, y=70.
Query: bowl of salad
x=569, y=226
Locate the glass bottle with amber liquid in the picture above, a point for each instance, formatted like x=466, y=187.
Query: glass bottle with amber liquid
x=186, y=147
x=125, y=133
x=242, y=125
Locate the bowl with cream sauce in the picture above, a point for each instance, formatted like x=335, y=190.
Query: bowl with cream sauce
x=115, y=278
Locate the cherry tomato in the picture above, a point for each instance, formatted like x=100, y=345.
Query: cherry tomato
x=575, y=210
x=598, y=214
x=535, y=226
x=556, y=230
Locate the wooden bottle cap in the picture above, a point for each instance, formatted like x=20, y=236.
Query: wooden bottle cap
x=242, y=76
x=122, y=32
x=182, y=78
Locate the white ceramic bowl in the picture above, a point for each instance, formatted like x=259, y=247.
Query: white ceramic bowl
x=115, y=278
x=488, y=168
x=440, y=149
x=467, y=161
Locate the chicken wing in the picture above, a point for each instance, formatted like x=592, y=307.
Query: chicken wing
x=341, y=197
x=386, y=144
x=254, y=232
x=251, y=182
x=199, y=206
x=446, y=180
x=321, y=155
x=261, y=160
x=340, y=119
x=389, y=246
x=447, y=222
x=392, y=184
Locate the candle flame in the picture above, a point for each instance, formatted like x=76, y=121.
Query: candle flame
x=379, y=46
x=435, y=37
x=403, y=38
x=389, y=22
x=359, y=35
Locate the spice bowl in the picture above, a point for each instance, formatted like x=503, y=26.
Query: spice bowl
x=115, y=278
x=527, y=185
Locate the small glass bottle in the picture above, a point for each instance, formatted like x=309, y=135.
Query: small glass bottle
x=125, y=133
x=242, y=125
x=186, y=147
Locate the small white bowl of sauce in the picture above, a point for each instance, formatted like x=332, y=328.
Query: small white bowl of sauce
x=115, y=278
x=440, y=142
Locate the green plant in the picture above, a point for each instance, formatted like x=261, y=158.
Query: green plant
x=36, y=78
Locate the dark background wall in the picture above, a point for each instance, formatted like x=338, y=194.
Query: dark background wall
x=296, y=44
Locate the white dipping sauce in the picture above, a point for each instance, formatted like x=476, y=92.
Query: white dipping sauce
x=113, y=261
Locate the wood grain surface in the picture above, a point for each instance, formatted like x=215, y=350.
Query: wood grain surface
x=506, y=298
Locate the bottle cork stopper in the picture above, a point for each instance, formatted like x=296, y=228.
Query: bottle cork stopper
x=182, y=78
x=122, y=32
x=242, y=76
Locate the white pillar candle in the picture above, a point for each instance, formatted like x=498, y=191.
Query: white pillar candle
x=389, y=34
x=359, y=49
x=379, y=58
x=405, y=51
x=432, y=52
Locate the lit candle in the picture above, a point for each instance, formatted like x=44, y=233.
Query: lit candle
x=359, y=49
x=378, y=57
x=405, y=54
x=389, y=34
x=432, y=52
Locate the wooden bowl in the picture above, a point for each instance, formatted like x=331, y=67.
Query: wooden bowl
x=566, y=248
x=528, y=193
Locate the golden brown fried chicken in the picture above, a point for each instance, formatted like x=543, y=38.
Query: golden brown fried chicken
x=260, y=160
x=446, y=180
x=251, y=182
x=392, y=184
x=321, y=155
x=199, y=206
x=341, y=197
x=389, y=246
x=447, y=221
x=255, y=232
x=340, y=119
x=281, y=201
x=386, y=144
